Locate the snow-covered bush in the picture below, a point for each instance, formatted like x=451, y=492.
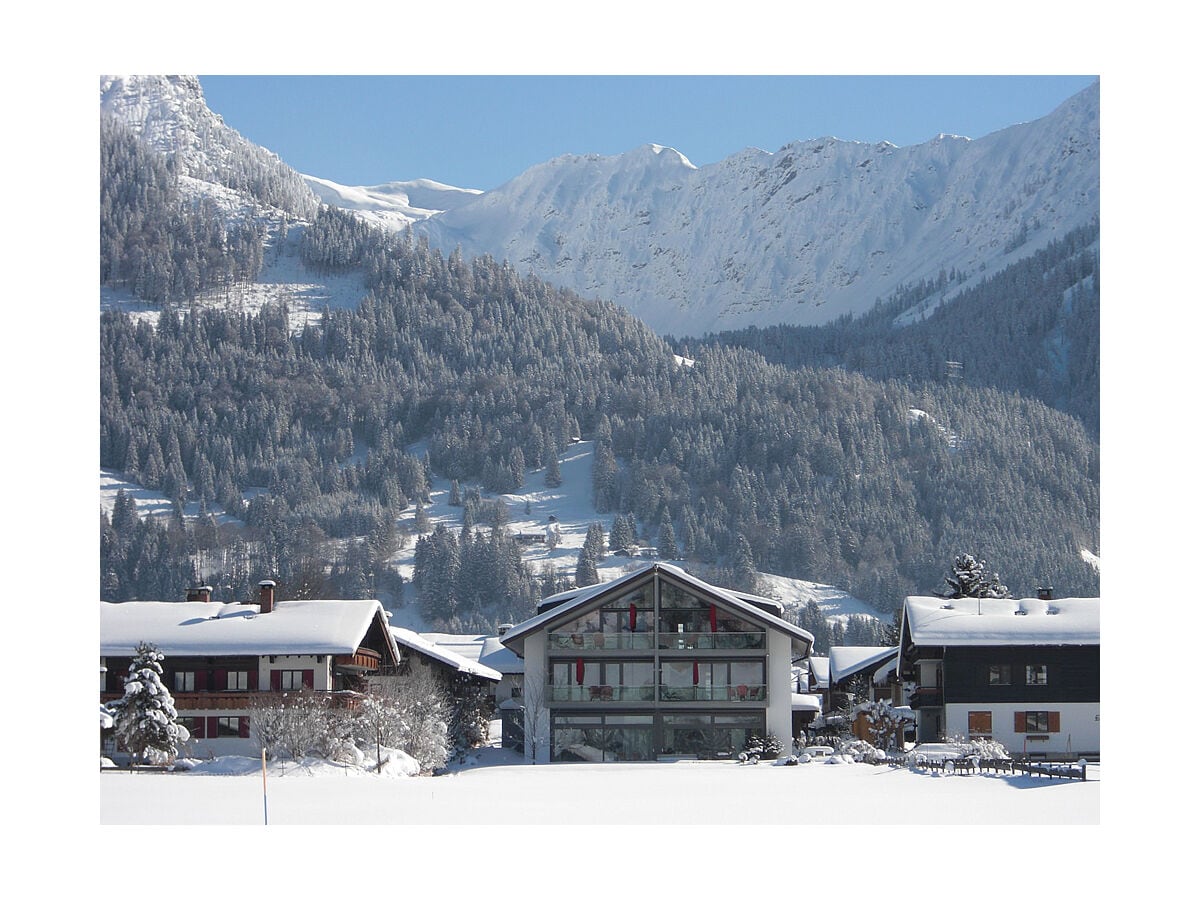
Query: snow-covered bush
x=885, y=724
x=144, y=720
x=858, y=751
x=759, y=747
x=410, y=713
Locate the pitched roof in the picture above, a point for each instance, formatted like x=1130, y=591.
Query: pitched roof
x=847, y=661
x=460, y=663
x=482, y=648
x=219, y=629
x=581, y=597
x=987, y=621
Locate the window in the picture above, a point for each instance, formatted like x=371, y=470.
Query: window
x=1000, y=674
x=237, y=681
x=1035, y=674
x=185, y=681
x=293, y=680
x=1037, y=722
x=228, y=726
x=979, y=724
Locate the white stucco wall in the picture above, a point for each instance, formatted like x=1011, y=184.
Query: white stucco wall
x=779, y=687
x=1079, y=726
x=537, y=714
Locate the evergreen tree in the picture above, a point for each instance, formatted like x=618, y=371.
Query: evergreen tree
x=553, y=476
x=969, y=579
x=144, y=720
x=667, y=548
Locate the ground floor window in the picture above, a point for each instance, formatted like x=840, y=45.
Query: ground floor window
x=1036, y=722
x=709, y=736
x=602, y=738
x=979, y=724
x=229, y=726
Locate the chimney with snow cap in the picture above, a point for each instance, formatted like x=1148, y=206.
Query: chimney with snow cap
x=1046, y=593
x=200, y=594
x=266, y=596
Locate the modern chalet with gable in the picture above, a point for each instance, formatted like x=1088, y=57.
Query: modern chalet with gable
x=222, y=658
x=1025, y=673
x=655, y=664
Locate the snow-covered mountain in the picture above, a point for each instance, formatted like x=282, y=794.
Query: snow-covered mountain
x=394, y=204
x=815, y=230
x=170, y=115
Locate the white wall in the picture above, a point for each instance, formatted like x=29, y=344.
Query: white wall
x=779, y=687
x=537, y=715
x=1078, y=722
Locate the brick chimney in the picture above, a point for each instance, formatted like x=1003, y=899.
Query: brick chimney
x=200, y=594
x=266, y=596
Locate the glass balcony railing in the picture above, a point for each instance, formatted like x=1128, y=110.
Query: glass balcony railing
x=573, y=693
x=708, y=640
x=601, y=640
x=713, y=692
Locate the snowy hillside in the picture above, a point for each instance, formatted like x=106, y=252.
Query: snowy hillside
x=530, y=512
x=803, y=235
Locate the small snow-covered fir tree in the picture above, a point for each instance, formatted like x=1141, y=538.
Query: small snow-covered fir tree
x=144, y=720
x=969, y=579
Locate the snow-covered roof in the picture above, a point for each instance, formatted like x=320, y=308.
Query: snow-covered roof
x=819, y=666
x=481, y=648
x=981, y=622
x=237, y=629
x=416, y=642
x=847, y=661
x=806, y=702
x=573, y=600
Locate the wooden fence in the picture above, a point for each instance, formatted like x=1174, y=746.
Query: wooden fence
x=972, y=765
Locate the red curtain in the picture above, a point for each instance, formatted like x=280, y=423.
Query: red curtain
x=579, y=670
x=632, y=617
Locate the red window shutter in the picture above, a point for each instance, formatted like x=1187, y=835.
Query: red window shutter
x=220, y=680
x=213, y=728
x=1019, y=722
x=277, y=680
x=1054, y=721
x=307, y=677
x=252, y=680
x=202, y=680
x=244, y=726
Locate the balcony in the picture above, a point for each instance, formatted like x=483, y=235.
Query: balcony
x=709, y=640
x=713, y=693
x=577, y=693
x=361, y=660
x=926, y=696
x=240, y=700
x=602, y=640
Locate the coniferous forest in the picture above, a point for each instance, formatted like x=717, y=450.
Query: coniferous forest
x=842, y=461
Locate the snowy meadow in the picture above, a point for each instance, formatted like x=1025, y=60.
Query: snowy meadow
x=679, y=796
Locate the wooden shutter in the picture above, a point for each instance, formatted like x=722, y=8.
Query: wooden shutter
x=1019, y=722
x=244, y=726
x=214, y=727
x=306, y=676
x=220, y=680
x=276, y=680
x=1054, y=721
x=202, y=680
x=252, y=680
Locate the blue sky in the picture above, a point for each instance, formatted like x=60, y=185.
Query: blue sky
x=480, y=131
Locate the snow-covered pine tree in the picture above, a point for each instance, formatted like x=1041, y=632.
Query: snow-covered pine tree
x=969, y=579
x=144, y=720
